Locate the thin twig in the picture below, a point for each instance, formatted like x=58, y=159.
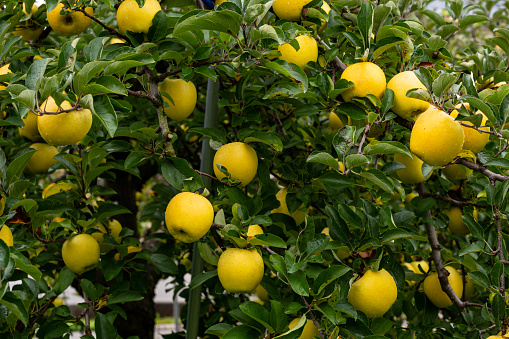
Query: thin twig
x=480, y=168
x=453, y=201
x=154, y=100
x=312, y=316
x=437, y=257
x=265, y=247
x=339, y=64
x=501, y=256
x=109, y=29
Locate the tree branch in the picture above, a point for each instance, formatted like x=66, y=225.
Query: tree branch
x=503, y=320
x=437, y=257
x=339, y=64
x=452, y=201
x=161, y=77
x=480, y=168
x=312, y=316
x=109, y=29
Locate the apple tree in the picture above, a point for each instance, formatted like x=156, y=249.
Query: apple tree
x=339, y=192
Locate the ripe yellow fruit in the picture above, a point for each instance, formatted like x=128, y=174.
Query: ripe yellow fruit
x=81, y=253
x=262, y=293
x=434, y=292
x=409, y=197
x=71, y=23
x=289, y=9
x=374, y=293
x=456, y=172
x=310, y=331
x=130, y=249
x=4, y=70
x=308, y=51
x=6, y=235
x=474, y=140
x=240, y=270
x=253, y=230
x=218, y=2
x=189, y=216
x=368, y=78
x=414, y=267
x=30, y=130
x=298, y=215
x=412, y=173
x=436, y=138
x=28, y=32
x=404, y=106
x=41, y=160
x=239, y=159
x=65, y=128
x=184, y=98
x=114, y=229
x=335, y=122
x=456, y=224
x=130, y=17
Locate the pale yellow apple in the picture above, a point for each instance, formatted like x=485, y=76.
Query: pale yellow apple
x=404, y=106
x=71, y=23
x=240, y=270
x=42, y=159
x=81, y=253
x=189, y=216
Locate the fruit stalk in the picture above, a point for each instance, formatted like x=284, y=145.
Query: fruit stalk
x=437, y=257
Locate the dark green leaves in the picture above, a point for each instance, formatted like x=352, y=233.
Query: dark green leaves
x=223, y=21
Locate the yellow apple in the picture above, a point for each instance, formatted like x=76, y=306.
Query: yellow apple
x=404, y=106
x=81, y=253
x=70, y=23
x=240, y=270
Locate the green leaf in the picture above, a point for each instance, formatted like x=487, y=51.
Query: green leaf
x=365, y=22
x=483, y=107
x=387, y=101
x=7, y=46
x=36, y=73
x=498, y=306
x=159, y=27
x=4, y=254
x=435, y=16
x=124, y=296
x=223, y=21
x=355, y=160
x=352, y=110
x=164, y=263
x=208, y=254
x=64, y=280
x=290, y=70
x=378, y=178
x=176, y=170
x=201, y=278
x=27, y=98
x=328, y=276
x=27, y=267
x=241, y=331
x=386, y=147
x=17, y=166
x=86, y=74
x=106, y=113
x=384, y=44
x=268, y=239
x=443, y=83
x=472, y=19
x=105, y=84
x=470, y=249
x=267, y=138
x=212, y=133
x=349, y=216
x=323, y=158
x=219, y=329
x=480, y=278
x=88, y=287
x=258, y=313
x=278, y=263
x=121, y=66
x=104, y=329
x=299, y=283
x=16, y=306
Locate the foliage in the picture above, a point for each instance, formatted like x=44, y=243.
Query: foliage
x=282, y=111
